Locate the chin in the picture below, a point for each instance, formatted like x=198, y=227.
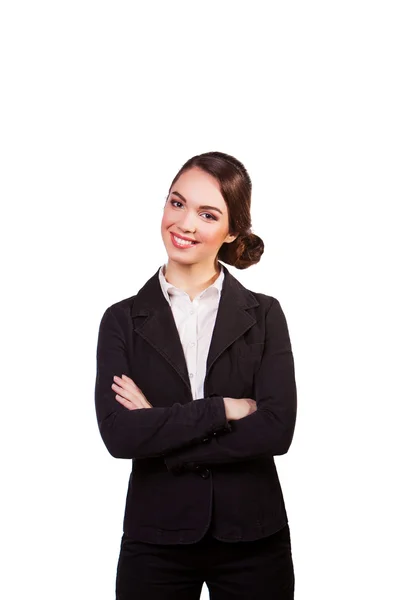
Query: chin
x=185, y=260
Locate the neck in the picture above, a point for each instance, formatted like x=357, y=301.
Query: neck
x=191, y=278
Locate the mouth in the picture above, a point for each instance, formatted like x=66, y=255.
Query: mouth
x=182, y=243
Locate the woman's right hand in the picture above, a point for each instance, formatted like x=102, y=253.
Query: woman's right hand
x=237, y=408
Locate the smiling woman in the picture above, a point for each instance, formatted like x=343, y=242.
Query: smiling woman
x=196, y=385
x=224, y=232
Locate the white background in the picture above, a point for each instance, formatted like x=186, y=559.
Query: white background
x=101, y=103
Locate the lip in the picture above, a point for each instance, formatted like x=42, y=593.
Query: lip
x=182, y=237
x=181, y=247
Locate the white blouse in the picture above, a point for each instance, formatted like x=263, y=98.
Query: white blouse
x=195, y=323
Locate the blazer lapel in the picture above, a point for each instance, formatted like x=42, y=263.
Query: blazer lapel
x=153, y=320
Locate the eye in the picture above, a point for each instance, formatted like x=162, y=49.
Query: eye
x=209, y=214
x=177, y=202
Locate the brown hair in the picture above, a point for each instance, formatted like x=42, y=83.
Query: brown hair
x=235, y=187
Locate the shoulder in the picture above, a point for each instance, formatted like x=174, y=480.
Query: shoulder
x=265, y=306
x=265, y=300
x=248, y=298
x=122, y=305
x=261, y=301
x=120, y=311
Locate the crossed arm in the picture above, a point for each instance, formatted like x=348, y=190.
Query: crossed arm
x=178, y=432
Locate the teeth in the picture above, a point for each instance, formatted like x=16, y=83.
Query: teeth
x=183, y=242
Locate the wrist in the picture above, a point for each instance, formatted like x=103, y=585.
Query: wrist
x=227, y=404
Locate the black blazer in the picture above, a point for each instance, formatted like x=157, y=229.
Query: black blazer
x=191, y=468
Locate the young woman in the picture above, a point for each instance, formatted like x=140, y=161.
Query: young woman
x=196, y=385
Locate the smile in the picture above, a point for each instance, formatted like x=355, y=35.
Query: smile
x=179, y=243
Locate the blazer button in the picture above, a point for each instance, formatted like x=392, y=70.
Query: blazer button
x=204, y=473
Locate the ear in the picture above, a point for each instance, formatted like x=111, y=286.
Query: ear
x=230, y=238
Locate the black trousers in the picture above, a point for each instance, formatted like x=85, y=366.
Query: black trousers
x=257, y=570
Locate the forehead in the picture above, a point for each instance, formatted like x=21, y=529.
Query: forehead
x=197, y=186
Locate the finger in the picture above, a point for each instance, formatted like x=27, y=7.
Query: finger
x=131, y=393
x=123, y=391
x=128, y=383
x=128, y=380
x=131, y=382
x=127, y=403
x=139, y=394
x=125, y=383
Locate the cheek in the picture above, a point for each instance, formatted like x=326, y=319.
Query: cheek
x=213, y=237
x=166, y=220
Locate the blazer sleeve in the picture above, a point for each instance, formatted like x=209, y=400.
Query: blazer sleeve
x=268, y=430
x=148, y=432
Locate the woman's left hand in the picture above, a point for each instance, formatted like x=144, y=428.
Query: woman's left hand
x=129, y=394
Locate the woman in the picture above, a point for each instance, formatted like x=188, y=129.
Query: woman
x=196, y=385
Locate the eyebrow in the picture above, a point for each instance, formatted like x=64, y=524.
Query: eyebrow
x=203, y=206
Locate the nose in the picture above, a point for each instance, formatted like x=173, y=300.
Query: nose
x=186, y=223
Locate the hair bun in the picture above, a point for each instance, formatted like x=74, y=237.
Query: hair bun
x=254, y=246
x=246, y=250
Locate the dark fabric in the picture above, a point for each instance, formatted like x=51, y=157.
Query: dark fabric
x=190, y=466
x=258, y=570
